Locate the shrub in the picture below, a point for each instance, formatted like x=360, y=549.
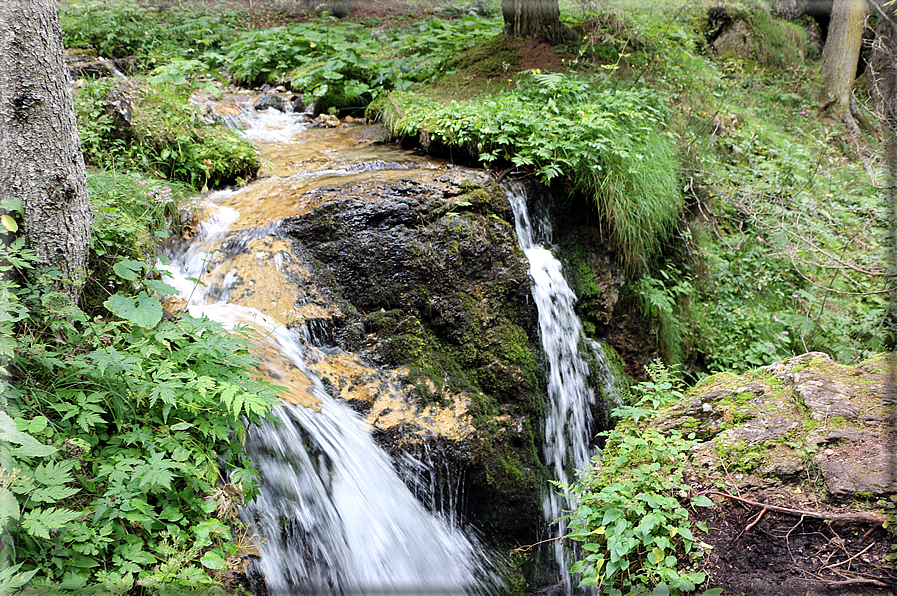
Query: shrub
x=631, y=523
x=115, y=435
x=605, y=143
x=166, y=137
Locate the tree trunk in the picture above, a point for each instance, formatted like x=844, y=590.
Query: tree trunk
x=40, y=154
x=338, y=8
x=534, y=19
x=882, y=68
x=840, y=57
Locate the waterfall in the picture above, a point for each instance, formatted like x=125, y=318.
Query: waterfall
x=568, y=427
x=333, y=516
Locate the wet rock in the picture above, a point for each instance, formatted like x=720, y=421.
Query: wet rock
x=89, y=66
x=268, y=100
x=297, y=104
x=326, y=120
x=432, y=268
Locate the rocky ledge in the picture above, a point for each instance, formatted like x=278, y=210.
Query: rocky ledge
x=790, y=452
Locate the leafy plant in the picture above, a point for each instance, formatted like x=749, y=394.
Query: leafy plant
x=115, y=431
x=632, y=519
x=167, y=137
x=119, y=29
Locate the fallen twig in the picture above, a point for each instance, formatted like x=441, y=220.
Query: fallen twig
x=850, y=559
x=860, y=516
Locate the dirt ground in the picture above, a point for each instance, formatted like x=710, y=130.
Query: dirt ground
x=778, y=554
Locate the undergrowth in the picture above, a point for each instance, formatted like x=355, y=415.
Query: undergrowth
x=632, y=514
x=121, y=459
x=166, y=136
x=604, y=142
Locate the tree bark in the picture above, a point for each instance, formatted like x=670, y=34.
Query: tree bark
x=534, y=19
x=40, y=154
x=840, y=57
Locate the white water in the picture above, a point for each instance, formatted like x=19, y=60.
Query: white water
x=568, y=427
x=334, y=517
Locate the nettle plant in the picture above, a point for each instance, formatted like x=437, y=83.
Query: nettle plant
x=121, y=444
x=632, y=518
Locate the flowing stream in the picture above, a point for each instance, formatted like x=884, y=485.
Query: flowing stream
x=334, y=516
x=568, y=425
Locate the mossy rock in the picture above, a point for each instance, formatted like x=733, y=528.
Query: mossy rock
x=775, y=423
x=433, y=269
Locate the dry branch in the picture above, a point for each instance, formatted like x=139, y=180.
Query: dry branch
x=858, y=517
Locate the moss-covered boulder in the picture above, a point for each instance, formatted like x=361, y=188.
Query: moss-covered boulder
x=801, y=418
x=439, y=292
x=798, y=458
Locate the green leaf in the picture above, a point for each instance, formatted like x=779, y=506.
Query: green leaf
x=40, y=522
x=213, y=559
x=9, y=223
x=142, y=310
x=702, y=501
x=128, y=270
x=9, y=508
x=161, y=287
x=30, y=447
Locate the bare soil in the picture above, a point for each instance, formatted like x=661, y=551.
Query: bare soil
x=777, y=554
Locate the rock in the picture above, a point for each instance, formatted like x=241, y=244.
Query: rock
x=268, y=100
x=804, y=411
x=326, y=121
x=871, y=475
x=736, y=38
x=87, y=66
x=436, y=286
x=297, y=104
x=789, y=9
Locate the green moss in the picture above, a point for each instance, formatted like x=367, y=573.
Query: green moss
x=781, y=43
x=740, y=457
x=166, y=137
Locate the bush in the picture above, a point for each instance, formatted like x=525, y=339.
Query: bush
x=605, y=143
x=634, y=531
x=122, y=441
x=119, y=29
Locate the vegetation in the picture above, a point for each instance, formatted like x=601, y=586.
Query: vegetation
x=125, y=463
x=165, y=137
x=751, y=229
x=632, y=517
x=560, y=125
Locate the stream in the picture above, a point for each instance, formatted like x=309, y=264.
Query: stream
x=337, y=514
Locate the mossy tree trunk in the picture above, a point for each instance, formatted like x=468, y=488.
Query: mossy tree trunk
x=840, y=57
x=534, y=19
x=40, y=154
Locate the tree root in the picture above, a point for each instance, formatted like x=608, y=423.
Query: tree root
x=858, y=517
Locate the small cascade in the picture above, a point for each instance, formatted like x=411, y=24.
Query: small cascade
x=568, y=426
x=333, y=516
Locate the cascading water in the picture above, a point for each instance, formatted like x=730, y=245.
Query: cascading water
x=568, y=427
x=333, y=516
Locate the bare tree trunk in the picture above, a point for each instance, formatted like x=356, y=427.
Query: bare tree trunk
x=40, y=154
x=534, y=19
x=840, y=57
x=338, y=8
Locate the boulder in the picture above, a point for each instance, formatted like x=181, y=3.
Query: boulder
x=436, y=288
x=268, y=100
x=802, y=416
